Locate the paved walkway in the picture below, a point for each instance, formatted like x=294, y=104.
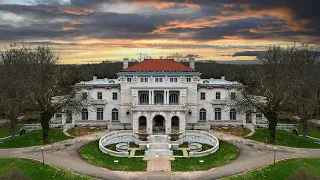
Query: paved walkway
x=252, y=155
x=159, y=163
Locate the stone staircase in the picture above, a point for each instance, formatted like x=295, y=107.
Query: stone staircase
x=159, y=145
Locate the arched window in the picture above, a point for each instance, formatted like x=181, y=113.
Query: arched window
x=144, y=98
x=218, y=95
x=84, y=114
x=158, y=98
x=173, y=99
x=233, y=114
x=217, y=114
x=203, y=114
x=115, y=114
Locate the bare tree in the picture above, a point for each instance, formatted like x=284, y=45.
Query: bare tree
x=304, y=101
x=13, y=95
x=273, y=80
x=49, y=91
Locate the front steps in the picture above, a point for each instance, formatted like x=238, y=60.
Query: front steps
x=159, y=145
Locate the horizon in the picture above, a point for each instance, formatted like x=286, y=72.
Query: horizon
x=82, y=31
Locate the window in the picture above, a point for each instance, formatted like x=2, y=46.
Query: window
x=160, y=79
x=84, y=114
x=99, y=113
x=115, y=114
x=202, y=95
x=188, y=79
x=203, y=114
x=158, y=98
x=157, y=80
x=173, y=79
x=128, y=79
x=145, y=79
x=218, y=95
x=233, y=96
x=233, y=114
x=114, y=95
x=144, y=98
x=141, y=79
x=173, y=99
x=84, y=95
x=99, y=95
x=217, y=114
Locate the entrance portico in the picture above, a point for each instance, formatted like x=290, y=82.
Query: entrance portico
x=157, y=122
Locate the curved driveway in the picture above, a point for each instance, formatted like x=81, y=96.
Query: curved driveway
x=252, y=155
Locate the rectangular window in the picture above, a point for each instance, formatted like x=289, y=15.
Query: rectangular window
x=128, y=79
x=114, y=95
x=84, y=95
x=217, y=114
x=233, y=96
x=160, y=79
x=157, y=80
x=175, y=79
x=145, y=79
x=171, y=79
x=188, y=79
x=218, y=95
x=141, y=79
x=99, y=95
x=99, y=113
x=202, y=95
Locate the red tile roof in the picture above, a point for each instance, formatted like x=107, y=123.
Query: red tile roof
x=151, y=65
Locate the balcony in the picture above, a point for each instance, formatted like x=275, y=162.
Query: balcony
x=218, y=102
x=159, y=107
x=99, y=102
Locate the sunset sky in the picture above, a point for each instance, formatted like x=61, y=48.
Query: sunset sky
x=90, y=31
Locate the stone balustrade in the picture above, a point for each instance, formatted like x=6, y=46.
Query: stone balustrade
x=203, y=138
x=115, y=138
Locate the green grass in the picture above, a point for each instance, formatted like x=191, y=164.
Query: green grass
x=177, y=152
x=112, y=147
x=5, y=129
x=139, y=153
x=282, y=170
x=184, y=145
x=35, y=170
x=34, y=138
x=133, y=145
x=93, y=154
x=71, y=131
x=226, y=153
x=284, y=138
x=312, y=131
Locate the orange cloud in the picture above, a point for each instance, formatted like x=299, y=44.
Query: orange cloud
x=162, y=5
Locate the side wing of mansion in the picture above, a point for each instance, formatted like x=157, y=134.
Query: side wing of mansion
x=158, y=95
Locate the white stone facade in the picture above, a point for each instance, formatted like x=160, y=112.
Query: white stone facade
x=157, y=102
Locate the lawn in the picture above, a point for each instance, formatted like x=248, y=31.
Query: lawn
x=282, y=170
x=93, y=154
x=34, y=138
x=177, y=152
x=226, y=153
x=35, y=170
x=313, y=131
x=71, y=131
x=5, y=129
x=284, y=138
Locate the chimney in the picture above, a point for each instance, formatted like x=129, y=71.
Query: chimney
x=191, y=63
x=94, y=78
x=223, y=78
x=125, y=63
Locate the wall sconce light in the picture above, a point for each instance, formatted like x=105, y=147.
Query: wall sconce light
x=189, y=112
x=128, y=112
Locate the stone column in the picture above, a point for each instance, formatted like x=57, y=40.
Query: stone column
x=134, y=122
x=168, y=124
x=168, y=95
x=149, y=123
x=150, y=97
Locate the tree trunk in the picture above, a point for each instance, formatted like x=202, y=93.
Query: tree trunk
x=13, y=133
x=304, y=128
x=273, y=121
x=45, y=117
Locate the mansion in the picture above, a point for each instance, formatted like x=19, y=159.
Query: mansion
x=158, y=96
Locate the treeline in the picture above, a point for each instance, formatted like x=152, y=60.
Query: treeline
x=210, y=69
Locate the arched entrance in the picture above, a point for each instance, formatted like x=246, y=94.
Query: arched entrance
x=159, y=124
x=249, y=117
x=142, y=122
x=175, y=123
